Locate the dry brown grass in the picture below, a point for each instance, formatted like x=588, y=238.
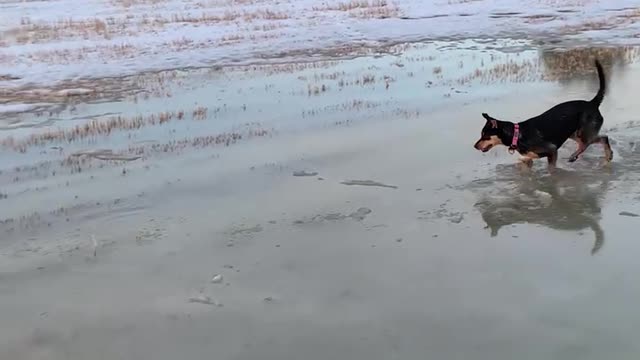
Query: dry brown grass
x=327, y=76
x=353, y=105
x=539, y=19
x=354, y=4
x=30, y=32
x=200, y=113
x=510, y=71
x=152, y=84
x=97, y=128
x=183, y=43
x=275, y=69
x=363, y=80
x=268, y=27
x=376, y=13
x=420, y=58
x=405, y=113
x=227, y=16
x=223, y=139
x=363, y=9
x=630, y=16
x=68, y=56
x=565, y=3
x=317, y=89
x=455, y=2
x=366, y=79
x=130, y=3
x=39, y=32
x=80, y=161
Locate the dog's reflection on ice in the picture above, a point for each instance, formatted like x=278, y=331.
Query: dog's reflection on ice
x=565, y=200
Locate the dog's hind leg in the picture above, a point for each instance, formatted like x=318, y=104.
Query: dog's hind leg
x=581, y=146
x=604, y=140
x=587, y=134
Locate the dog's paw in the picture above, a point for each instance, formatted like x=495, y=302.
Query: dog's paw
x=573, y=159
x=605, y=163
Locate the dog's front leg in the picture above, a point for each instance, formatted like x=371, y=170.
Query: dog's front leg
x=526, y=160
x=550, y=151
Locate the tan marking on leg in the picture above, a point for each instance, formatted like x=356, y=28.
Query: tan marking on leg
x=581, y=148
x=608, y=153
x=528, y=158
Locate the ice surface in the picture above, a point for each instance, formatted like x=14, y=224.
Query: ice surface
x=47, y=42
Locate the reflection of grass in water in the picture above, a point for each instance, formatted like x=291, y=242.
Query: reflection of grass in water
x=553, y=65
x=562, y=64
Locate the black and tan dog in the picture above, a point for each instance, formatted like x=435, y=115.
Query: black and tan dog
x=542, y=135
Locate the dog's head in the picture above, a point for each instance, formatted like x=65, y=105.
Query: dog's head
x=490, y=134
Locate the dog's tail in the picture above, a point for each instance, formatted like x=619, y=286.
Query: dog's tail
x=597, y=245
x=600, y=95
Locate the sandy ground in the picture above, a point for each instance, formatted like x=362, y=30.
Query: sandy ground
x=236, y=258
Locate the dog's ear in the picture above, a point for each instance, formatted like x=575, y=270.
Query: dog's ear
x=494, y=122
x=486, y=116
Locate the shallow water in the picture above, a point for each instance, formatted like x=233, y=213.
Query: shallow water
x=460, y=255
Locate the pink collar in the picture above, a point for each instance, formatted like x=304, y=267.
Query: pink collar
x=516, y=135
x=514, y=140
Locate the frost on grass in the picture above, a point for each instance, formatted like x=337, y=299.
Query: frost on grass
x=47, y=42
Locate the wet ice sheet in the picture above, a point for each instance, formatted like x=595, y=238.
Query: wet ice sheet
x=183, y=113
x=450, y=289
x=407, y=82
